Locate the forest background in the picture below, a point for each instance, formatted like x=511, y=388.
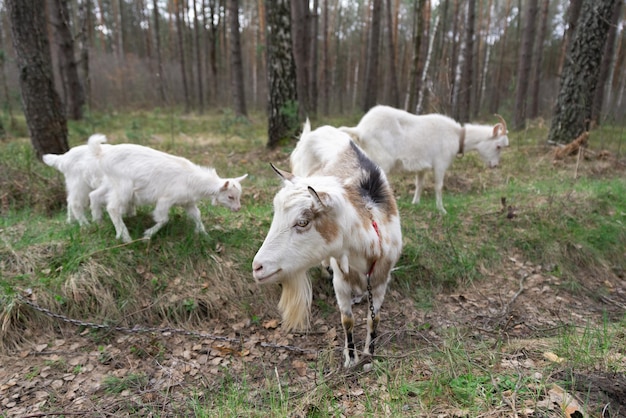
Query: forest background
x=467, y=59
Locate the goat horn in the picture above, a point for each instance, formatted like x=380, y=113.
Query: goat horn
x=282, y=173
x=501, y=121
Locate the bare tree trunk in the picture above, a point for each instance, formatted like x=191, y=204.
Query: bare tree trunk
x=85, y=42
x=181, y=50
x=326, y=68
x=42, y=105
x=60, y=20
x=371, y=69
x=213, y=40
x=424, y=92
x=394, y=95
x=301, y=53
x=157, y=35
x=524, y=64
x=535, y=83
x=5, y=86
x=198, y=58
x=573, y=13
x=281, y=71
x=497, y=88
x=579, y=80
x=239, y=98
x=467, y=74
x=313, y=59
x=605, y=65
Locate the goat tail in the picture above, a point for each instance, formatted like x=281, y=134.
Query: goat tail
x=353, y=132
x=52, y=160
x=94, y=144
x=295, y=303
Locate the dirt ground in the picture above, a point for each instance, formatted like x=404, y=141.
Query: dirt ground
x=67, y=373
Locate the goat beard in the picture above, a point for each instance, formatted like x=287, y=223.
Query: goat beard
x=295, y=303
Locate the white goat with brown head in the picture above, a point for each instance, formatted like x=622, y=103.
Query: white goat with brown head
x=342, y=210
x=401, y=141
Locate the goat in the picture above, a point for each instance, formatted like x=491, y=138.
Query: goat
x=342, y=212
x=400, y=141
x=138, y=175
x=82, y=176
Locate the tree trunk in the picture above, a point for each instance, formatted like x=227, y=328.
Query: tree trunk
x=42, y=105
x=394, y=92
x=605, y=66
x=181, y=50
x=580, y=73
x=314, y=27
x=497, y=88
x=533, y=111
x=5, y=86
x=239, y=98
x=199, y=74
x=326, y=67
x=157, y=35
x=524, y=64
x=467, y=75
x=301, y=53
x=281, y=73
x=573, y=13
x=60, y=20
x=371, y=68
x=85, y=42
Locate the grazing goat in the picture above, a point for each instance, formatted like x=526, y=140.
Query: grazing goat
x=399, y=140
x=82, y=176
x=342, y=212
x=138, y=175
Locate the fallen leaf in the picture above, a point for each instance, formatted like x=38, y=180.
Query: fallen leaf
x=271, y=324
x=550, y=356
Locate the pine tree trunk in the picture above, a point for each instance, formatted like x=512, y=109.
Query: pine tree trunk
x=181, y=50
x=467, y=76
x=371, y=69
x=605, y=66
x=239, y=98
x=301, y=53
x=524, y=64
x=533, y=111
x=394, y=92
x=60, y=20
x=281, y=72
x=199, y=74
x=580, y=74
x=42, y=105
x=157, y=35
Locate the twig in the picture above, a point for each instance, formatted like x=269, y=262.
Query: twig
x=280, y=389
x=505, y=309
x=580, y=151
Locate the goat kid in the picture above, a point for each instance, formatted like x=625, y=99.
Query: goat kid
x=82, y=176
x=138, y=175
x=400, y=141
x=344, y=213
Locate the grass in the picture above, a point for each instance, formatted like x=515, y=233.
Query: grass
x=566, y=220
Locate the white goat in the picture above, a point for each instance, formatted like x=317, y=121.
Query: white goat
x=343, y=212
x=399, y=140
x=138, y=175
x=82, y=175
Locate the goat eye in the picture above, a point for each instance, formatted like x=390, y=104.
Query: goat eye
x=231, y=198
x=302, y=223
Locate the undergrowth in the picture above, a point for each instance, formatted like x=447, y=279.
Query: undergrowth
x=566, y=217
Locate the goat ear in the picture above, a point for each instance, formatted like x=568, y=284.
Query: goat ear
x=307, y=127
x=225, y=186
x=285, y=175
x=319, y=199
x=496, y=129
x=241, y=178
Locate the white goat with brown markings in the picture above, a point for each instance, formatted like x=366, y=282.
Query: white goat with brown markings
x=340, y=209
x=401, y=141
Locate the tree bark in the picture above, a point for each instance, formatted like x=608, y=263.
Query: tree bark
x=524, y=64
x=533, y=110
x=579, y=80
x=157, y=36
x=199, y=74
x=239, y=98
x=394, y=92
x=281, y=72
x=42, y=105
x=181, y=50
x=301, y=53
x=467, y=75
x=371, y=68
x=68, y=68
x=605, y=66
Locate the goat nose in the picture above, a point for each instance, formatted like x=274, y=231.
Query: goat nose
x=256, y=266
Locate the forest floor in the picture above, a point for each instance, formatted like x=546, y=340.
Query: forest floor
x=520, y=305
